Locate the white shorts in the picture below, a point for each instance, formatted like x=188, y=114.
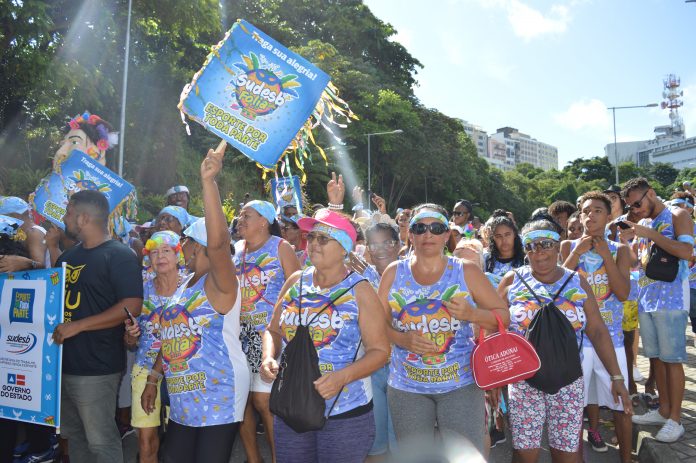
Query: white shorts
x=257, y=384
x=597, y=381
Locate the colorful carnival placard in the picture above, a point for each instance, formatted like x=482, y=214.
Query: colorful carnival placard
x=78, y=172
x=31, y=306
x=287, y=191
x=254, y=93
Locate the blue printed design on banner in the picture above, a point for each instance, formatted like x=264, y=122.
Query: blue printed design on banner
x=78, y=172
x=30, y=382
x=287, y=191
x=254, y=93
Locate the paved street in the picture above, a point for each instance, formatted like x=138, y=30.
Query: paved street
x=685, y=448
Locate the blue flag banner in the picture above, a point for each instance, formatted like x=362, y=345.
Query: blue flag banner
x=287, y=191
x=31, y=306
x=255, y=93
x=78, y=172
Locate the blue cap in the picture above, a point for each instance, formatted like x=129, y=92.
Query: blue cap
x=9, y=225
x=181, y=214
x=197, y=232
x=13, y=205
x=264, y=208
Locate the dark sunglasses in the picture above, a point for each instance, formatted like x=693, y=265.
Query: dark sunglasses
x=435, y=228
x=535, y=246
x=322, y=239
x=638, y=203
x=460, y=213
x=375, y=247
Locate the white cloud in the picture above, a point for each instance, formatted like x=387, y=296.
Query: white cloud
x=584, y=114
x=529, y=23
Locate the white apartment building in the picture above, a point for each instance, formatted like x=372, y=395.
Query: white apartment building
x=478, y=136
x=524, y=148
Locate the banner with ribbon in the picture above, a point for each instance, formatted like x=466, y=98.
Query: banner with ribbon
x=79, y=172
x=31, y=306
x=261, y=97
x=287, y=191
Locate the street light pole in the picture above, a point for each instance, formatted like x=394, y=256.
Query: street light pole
x=124, y=91
x=613, y=113
x=369, y=158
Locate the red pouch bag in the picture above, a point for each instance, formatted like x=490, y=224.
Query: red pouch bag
x=502, y=358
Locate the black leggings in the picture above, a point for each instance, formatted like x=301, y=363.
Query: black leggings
x=205, y=444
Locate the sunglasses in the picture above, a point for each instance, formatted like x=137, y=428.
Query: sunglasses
x=322, y=239
x=376, y=247
x=435, y=228
x=638, y=203
x=536, y=246
x=460, y=213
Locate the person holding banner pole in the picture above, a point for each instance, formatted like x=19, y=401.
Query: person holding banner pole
x=103, y=277
x=201, y=354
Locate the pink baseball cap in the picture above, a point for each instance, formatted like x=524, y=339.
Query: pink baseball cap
x=333, y=224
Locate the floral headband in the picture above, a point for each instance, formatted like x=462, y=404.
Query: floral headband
x=106, y=139
x=168, y=238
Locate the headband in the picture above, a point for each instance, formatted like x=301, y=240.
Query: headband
x=264, y=208
x=428, y=215
x=163, y=238
x=177, y=189
x=339, y=235
x=536, y=234
x=682, y=201
x=181, y=214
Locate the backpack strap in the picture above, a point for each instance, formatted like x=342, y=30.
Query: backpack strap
x=299, y=298
x=528, y=287
x=330, y=303
x=339, y=392
x=558, y=293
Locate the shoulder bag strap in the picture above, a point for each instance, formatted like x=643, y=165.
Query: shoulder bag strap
x=528, y=287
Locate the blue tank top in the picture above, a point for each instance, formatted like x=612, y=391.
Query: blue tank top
x=591, y=267
x=653, y=295
x=523, y=305
x=261, y=278
x=415, y=307
x=336, y=333
x=692, y=267
x=206, y=371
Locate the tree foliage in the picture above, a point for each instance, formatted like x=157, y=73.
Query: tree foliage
x=61, y=57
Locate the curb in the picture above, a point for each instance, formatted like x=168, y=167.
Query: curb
x=651, y=451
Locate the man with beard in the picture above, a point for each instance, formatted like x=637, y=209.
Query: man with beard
x=103, y=277
x=663, y=305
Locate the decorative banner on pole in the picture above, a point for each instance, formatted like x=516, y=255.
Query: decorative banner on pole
x=79, y=172
x=287, y=191
x=261, y=97
x=31, y=306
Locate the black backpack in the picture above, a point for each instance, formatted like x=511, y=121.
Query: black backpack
x=555, y=342
x=293, y=396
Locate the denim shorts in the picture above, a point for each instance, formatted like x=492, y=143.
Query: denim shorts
x=664, y=335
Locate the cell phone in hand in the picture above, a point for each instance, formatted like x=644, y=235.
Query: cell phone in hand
x=622, y=225
x=130, y=316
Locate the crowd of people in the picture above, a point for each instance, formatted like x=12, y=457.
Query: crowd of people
x=393, y=306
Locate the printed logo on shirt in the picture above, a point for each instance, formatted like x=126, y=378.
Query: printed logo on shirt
x=429, y=317
x=567, y=303
x=72, y=301
x=180, y=333
x=254, y=276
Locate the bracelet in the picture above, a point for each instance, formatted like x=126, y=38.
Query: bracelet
x=155, y=373
x=151, y=383
x=336, y=207
x=617, y=378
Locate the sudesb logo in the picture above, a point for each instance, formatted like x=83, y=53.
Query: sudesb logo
x=21, y=344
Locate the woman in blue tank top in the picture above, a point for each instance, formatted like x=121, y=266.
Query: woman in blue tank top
x=201, y=355
x=348, y=334
x=432, y=302
x=530, y=408
x=263, y=260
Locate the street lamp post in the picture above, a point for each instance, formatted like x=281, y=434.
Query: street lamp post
x=124, y=91
x=369, y=163
x=613, y=114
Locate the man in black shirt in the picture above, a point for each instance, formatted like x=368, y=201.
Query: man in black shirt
x=103, y=276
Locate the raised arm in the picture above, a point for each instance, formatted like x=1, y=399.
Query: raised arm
x=222, y=283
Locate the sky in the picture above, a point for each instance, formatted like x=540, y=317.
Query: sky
x=551, y=68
